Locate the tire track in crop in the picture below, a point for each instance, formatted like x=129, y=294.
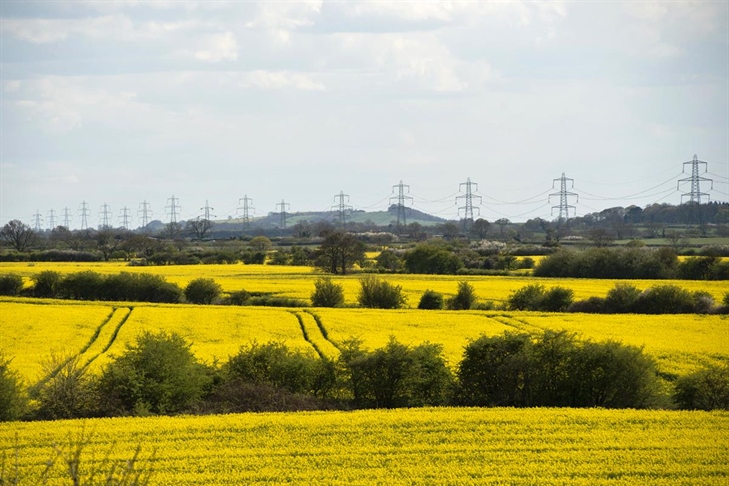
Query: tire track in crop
x=113, y=336
x=511, y=321
x=322, y=329
x=78, y=355
x=307, y=338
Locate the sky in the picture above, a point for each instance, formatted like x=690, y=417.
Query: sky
x=118, y=103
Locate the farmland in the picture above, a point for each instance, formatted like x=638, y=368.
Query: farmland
x=32, y=329
x=412, y=446
x=298, y=282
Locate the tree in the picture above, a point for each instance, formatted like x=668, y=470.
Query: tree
x=431, y=300
x=464, y=299
x=69, y=392
x=157, y=373
x=502, y=223
x=260, y=243
x=380, y=294
x=432, y=258
x=600, y=237
x=107, y=241
x=481, y=228
x=339, y=251
x=327, y=293
x=199, y=227
x=19, y=235
x=202, y=291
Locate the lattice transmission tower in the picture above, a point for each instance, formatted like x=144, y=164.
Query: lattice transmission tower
x=342, y=207
x=105, y=216
x=283, y=205
x=84, y=211
x=564, y=195
x=206, y=211
x=173, y=209
x=145, y=212
x=401, y=199
x=468, y=208
x=695, y=193
x=246, y=208
x=124, y=217
x=38, y=221
x=67, y=218
x=51, y=219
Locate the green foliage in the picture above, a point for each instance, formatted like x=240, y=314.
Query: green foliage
x=13, y=401
x=380, y=294
x=556, y=299
x=388, y=260
x=260, y=243
x=156, y=374
x=274, y=301
x=432, y=259
x=202, y=291
x=621, y=298
x=327, y=293
x=238, y=297
x=555, y=370
x=431, y=300
x=706, y=389
x=46, y=283
x=665, y=299
x=464, y=299
x=69, y=391
x=11, y=284
x=274, y=364
x=396, y=375
x=617, y=263
x=526, y=298
x=84, y=285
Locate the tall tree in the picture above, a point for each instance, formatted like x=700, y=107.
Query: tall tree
x=19, y=235
x=339, y=251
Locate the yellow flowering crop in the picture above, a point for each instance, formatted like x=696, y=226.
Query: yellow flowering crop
x=406, y=446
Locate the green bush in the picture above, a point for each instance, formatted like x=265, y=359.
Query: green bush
x=432, y=259
x=621, y=298
x=202, y=291
x=11, y=284
x=464, y=299
x=81, y=286
x=706, y=389
x=327, y=293
x=238, y=297
x=69, y=391
x=431, y=300
x=46, y=284
x=157, y=373
x=380, y=294
x=526, y=298
x=13, y=401
x=665, y=299
x=556, y=299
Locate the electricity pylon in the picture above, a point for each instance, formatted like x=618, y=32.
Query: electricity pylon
x=401, y=198
x=468, y=207
x=283, y=205
x=564, y=194
x=342, y=208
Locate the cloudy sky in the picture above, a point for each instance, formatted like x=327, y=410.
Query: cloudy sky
x=123, y=102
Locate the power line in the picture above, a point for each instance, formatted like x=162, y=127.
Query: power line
x=401, y=199
x=695, y=193
x=564, y=194
x=66, y=218
x=468, y=207
x=283, y=205
x=124, y=217
x=84, y=210
x=342, y=208
x=246, y=207
x=173, y=209
x=146, y=211
x=105, y=215
x=38, y=226
x=51, y=219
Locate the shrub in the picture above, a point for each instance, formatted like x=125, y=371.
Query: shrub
x=431, y=300
x=526, y=298
x=703, y=302
x=202, y=291
x=11, y=284
x=621, y=298
x=327, y=293
x=157, y=373
x=706, y=389
x=46, y=284
x=591, y=305
x=69, y=391
x=556, y=299
x=238, y=297
x=139, y=287
x=273, y=301
x=379, y=294
x=81, y=286
x=665, y=299
x=13, y=401
x=464, y=299
x=432, y=259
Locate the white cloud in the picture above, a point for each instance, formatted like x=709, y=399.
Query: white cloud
x=217, y=47
x=280, y=80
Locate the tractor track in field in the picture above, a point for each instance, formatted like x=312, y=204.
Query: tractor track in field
x=113, y=336
x=306, y=335
x=321, y=327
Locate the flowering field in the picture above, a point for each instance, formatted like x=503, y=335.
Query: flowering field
x=406, y=446
x=32, y=329
x=298, y=282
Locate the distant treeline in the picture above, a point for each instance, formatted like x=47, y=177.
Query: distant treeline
x=631, y=263
x=158, y=374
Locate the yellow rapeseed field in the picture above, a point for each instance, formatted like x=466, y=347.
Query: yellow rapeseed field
x=407, y=446
x=298, y=282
